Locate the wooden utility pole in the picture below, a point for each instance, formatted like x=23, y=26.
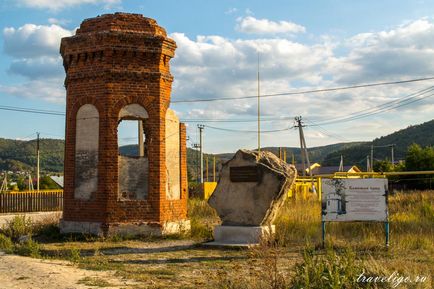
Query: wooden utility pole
x=206, y=167
x=201, y=127
x=303, y=147
x=141, y=146
x=196, y=146
x=304, y=152
x=37, y=162
x=213, y=170
x=4, y=186
x=30, y=183
x=372, y=158
x=284, y=155
x=393, y=155
x=368, y=166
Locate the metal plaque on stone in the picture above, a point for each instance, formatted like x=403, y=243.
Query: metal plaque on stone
x=244, y=174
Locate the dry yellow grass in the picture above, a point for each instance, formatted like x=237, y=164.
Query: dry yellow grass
x=178, y=263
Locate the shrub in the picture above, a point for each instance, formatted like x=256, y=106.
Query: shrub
x=17, y=227
x=6, y=244
x=74, y=255
x=202, y=217
x=28, y=248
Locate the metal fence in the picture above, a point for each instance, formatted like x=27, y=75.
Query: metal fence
x=31, y=201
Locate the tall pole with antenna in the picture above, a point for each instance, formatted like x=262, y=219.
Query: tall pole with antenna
x=37, y=162
x=259, y=110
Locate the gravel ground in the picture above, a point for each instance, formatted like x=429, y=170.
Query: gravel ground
x=17, y=272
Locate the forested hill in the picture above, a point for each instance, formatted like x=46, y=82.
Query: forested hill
x=422, y=134
x=19, y=155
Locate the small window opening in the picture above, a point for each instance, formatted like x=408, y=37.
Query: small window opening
x=132, y=138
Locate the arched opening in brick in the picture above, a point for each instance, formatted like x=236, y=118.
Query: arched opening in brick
x=86, y=152
x=133, y=162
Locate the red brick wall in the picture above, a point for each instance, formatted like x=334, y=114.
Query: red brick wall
x=115, y=60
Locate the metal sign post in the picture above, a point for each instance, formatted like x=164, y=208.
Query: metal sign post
x=355, y=200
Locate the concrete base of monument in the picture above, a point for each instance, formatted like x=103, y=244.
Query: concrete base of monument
x=240, y=236
x=125, y=229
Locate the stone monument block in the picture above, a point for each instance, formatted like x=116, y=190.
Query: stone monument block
x=251, y=189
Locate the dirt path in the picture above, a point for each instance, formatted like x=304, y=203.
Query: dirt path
x=17, y=272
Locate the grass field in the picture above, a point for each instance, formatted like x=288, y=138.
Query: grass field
x=292, y=259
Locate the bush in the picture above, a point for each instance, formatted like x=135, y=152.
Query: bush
x=47, y=232
x=17, y=227
x=28, y=248
x=202, y=218
x=74, y=255
x=6, y=244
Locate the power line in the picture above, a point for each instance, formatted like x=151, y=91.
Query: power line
x=305, y=91
x=322, y=130
x=409, y=99
x=53, y=112
x=247, y=131
x=30, y=110
x=236, y=120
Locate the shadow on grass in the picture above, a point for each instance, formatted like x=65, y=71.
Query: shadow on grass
x=120, y=250
x=182, y=260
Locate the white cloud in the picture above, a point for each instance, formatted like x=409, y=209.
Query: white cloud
x=32, y=40
x=35, y=55
x=50, y=90
x=214, y=67
x=36, y=68
x=62, y=4
x=58, y=21
x=406, y=51
x=251, y=25
x=231, y=11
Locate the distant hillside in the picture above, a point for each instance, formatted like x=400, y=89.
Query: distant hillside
x=316, y=154
x=422, y=134
x=17, y=155
x=21, y=155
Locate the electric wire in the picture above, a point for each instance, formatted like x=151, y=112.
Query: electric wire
x=305, y=91
x=248, y=131
x=409, y=99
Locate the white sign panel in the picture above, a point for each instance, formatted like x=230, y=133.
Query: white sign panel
x=354, y=200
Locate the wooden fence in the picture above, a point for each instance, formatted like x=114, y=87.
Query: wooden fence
x=31, y=201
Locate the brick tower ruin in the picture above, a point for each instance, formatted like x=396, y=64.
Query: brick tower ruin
x=117, y=69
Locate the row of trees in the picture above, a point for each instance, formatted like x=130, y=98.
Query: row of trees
x=417, y=159
x=20, y=183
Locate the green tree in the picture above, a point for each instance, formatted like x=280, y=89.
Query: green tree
x=47, y=183
x=383, y=166
x=419, y=159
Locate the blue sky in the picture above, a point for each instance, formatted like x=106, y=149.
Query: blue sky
x=302, y=45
